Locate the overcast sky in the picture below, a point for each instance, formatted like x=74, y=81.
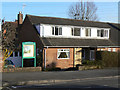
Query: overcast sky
x=106, y=11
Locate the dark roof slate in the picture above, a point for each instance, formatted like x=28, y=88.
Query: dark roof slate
x=114, y=32
x=63, y=21
x=73, y=42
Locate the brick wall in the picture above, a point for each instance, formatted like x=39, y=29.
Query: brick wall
x=51, y=58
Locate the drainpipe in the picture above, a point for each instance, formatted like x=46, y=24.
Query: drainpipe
x=45, y=58
x=74, y=57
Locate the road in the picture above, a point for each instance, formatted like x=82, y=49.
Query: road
x=99, y=78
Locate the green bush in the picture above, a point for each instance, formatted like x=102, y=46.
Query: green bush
x=108, y=59
x=91, y=62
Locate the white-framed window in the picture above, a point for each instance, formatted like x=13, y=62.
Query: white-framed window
x=105, y=33
x=76, y=31
x=102, y=33
x=109, y=49
x=87, y=32
x=56, y=30
x=63, y=54
x=114, y=49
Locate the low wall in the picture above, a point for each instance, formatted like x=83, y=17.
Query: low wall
x=88, y=67
x=24, y=69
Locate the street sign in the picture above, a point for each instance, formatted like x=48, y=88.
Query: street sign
x=29, y=51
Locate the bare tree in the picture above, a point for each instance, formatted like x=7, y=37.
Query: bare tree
x=8, y=39
x=83, y=11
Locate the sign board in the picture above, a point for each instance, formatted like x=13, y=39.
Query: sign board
x=29, y=51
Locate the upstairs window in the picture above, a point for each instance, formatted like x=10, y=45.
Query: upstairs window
x=75, y=31
x=106, y=33
x=56, y=30
x=99, y=33
x=102, y=33
x=88, y=32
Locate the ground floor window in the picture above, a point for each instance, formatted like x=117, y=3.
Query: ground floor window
x=109, y=49
x=92, y=54
x=114, y=49
x=63, y=54
x=83, y=53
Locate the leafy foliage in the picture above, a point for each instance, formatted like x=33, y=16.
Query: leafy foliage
x=108, y=59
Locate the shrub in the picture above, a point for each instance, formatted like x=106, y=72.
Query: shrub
x=108, y=59
x=91, y=62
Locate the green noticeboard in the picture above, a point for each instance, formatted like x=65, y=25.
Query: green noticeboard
x=29, y=51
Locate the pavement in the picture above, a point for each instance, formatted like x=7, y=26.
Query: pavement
x=98, y=78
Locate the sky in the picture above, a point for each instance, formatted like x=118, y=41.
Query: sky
x=106, y=11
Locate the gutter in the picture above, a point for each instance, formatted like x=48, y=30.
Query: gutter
x=108, y=46
x=83, y=46
x=66, y=46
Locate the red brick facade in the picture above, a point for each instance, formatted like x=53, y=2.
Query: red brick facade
x=52, y=60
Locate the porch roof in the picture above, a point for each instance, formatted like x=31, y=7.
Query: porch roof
x=75, y=42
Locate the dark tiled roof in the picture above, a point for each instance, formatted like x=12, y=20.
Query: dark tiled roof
x=63, y=21
x=75, y=42
x=114, y=31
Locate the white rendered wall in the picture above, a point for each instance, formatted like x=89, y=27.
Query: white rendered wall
x=66, y=31
x=82, y=32
x=46, y=31
x=94, y=32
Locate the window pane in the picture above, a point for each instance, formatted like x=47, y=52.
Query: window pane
x=11, y=55
x=66, y=49
x=52, y=30
x=88, y=32
x=16, y=54
x=106, y=33
x=60, y=31
x=20, y=53
x=109, y=49
x=63, y=53
x=76, y=31
x=92, y=55
x=72, y=32
x=99, y=33
x=56, y=30
x=114, y=49
x=83, y=52
x=102, y=33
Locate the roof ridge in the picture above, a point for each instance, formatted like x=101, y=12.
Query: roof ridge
x=69, y=19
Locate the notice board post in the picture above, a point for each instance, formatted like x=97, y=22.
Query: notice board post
x=29, y=51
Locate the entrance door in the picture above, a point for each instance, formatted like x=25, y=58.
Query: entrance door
x=92, y=54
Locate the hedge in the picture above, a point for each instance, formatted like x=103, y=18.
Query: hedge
x=108, y=59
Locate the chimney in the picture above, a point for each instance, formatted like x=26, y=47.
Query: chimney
x=20, y=18
x=3, y=21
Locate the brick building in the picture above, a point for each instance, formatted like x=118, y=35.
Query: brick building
x=64, y=42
